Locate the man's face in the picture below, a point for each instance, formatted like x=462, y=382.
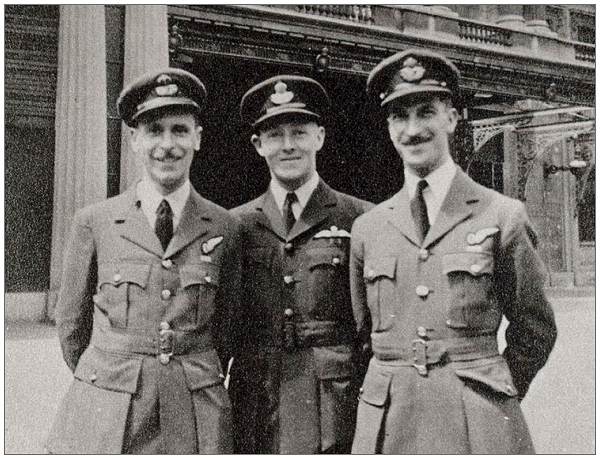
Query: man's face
x=419, y=129
x=290, y=149
x=166, y=145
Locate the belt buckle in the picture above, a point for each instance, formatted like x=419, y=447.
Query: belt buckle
x=419, y=348
x=167, y=343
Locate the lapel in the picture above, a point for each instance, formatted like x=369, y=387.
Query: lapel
x=269, y=216
x=317, y=209
x=455, y=208
x=133, y=225
x=400, y=216
x=193, y=224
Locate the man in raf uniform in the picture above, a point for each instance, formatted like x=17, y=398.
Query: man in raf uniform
x=433, y=270
x=149, y=290
x=298, y=380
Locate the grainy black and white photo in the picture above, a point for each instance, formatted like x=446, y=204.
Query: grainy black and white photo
x=299, y=229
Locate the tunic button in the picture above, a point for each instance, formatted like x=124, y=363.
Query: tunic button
x=422, y=291
x=336, y=261
x=288, y=279
x=471, y=239
x=167, y=264
x=421, y=332
x=117, y=277
x=95, y=299
x=288, y=247
x=208, y=279
x=475, y=268
x=423, y=254
x=370, y=274
x=164, y=326
x=93, y=377
x=510, y=390
x=164, y=358
x=165, y=294
x=289, y=312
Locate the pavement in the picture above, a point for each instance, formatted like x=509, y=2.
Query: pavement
x=559, y=408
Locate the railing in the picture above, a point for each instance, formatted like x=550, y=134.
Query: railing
x=355, y=13
x=479, y=33
x=585, y=52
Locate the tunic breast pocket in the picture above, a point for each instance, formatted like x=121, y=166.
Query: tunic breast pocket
x=328, y=283
x=200, y=282
x=380, y=281
x=119, y=285
x=470, y=284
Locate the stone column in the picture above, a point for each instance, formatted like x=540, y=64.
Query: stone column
x=511, y=16
x=80, y=165
x=146, y=48
x=535, y=16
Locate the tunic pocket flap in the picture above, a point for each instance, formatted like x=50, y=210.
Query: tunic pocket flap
x=319, y=257
x=380, y=267
x=202, y=370
x=118, y=273
x=492, y=373
x=471, y=262
x=375, y=388
x=334, y=362
x=200, y=273
x=109, y=371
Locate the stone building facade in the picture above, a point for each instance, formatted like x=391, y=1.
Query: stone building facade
x=527, y=129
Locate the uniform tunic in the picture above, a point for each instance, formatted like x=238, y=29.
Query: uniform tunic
x=147, y=331
x=297, y=384
x=430, y=311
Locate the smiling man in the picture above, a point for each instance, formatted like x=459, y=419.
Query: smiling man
x=296, y=386
x=433, y=270
x=150, y=285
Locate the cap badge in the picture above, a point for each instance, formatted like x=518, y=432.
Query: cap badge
x=167, y=90
x=281, y=95
x=412, y=70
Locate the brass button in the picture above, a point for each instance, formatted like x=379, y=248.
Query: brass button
x=95, y=299
x=289, y=312
x=93, y=377
x=449, y=322
x=471, y=239
x=164, y=326
x=422, y=332
x=116, y=277
x=165, y=294
x=475, y=268
x=423, y=254
x=422, y=291
x=164, y=358
x=361, y=390
x=288, y=246
x=336, y=261
x=370, y=274
x=208, y=279
x=288, y=279
x=167, y=264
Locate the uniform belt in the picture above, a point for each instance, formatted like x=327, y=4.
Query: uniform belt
x=302, y=335
x=422, y=353
x=163, y=343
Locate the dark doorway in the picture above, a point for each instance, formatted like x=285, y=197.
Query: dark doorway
x=358, y=157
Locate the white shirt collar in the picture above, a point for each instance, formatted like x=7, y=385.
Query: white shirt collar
x=438, y=181
x=303, y=193
x=150, y=199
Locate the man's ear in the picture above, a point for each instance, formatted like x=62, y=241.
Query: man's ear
x=320, y=137
x=134, y=139
x=452, y=119
x=198, y=138
x=255, y=140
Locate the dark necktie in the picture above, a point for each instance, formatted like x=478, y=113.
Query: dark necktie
x=288, y=214
x=164, y=223
x=418, y=209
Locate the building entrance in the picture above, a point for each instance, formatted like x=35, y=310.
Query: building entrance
x=357, y=158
